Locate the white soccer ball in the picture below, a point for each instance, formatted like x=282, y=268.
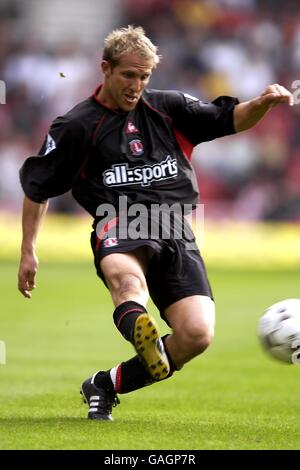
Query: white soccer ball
x=279, y=330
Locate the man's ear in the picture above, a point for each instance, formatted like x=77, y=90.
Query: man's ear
x=106, y=67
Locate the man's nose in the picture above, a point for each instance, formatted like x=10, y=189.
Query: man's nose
x=136, y=85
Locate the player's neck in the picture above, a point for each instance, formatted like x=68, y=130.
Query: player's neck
x=103, y=96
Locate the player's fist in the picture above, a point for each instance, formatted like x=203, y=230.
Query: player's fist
x=275, y=94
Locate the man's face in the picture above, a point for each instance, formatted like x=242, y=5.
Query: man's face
x=124, y=84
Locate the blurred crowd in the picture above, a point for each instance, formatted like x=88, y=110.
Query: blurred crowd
x=209, y=48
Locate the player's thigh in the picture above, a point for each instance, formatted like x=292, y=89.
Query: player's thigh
x=192, y=316
x=118, y=266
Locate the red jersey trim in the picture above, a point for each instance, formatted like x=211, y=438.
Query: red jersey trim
x=185, y=145
x=95, y=133
x=95, y=98
x=112, y=223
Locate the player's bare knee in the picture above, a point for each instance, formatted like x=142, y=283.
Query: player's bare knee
x=200, y=339
x=196, y=337
x=205, y=327
x=204, y=340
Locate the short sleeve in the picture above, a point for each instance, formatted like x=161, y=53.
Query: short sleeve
x=57, y=166
x=200, y=121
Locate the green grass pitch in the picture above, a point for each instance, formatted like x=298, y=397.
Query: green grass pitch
x=232, y=397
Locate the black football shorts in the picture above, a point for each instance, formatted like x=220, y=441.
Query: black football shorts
x=173, y=271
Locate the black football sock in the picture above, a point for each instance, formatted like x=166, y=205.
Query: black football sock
x=103, y=379
x=125, y=316
x=126, y=377
x=130, y=375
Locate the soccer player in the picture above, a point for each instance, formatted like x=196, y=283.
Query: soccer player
x=132, y=142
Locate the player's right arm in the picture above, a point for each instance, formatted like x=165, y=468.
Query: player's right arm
x=33, y=214
x=51, y=173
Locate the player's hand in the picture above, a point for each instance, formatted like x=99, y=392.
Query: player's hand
x=27, y=271
x=274, y=95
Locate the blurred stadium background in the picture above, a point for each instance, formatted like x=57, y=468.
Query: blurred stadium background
x=49, y=60
x=50, y=52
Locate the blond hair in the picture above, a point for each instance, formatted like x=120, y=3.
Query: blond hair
x=130, y=40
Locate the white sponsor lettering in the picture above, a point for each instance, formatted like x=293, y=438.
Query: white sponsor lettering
x=121, y=175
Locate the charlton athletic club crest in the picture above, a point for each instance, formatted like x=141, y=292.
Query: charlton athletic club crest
x=136, y=147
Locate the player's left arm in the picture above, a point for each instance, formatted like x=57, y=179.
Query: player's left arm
x=249, y=113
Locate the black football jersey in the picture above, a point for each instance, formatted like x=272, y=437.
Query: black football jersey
x=101, y=154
